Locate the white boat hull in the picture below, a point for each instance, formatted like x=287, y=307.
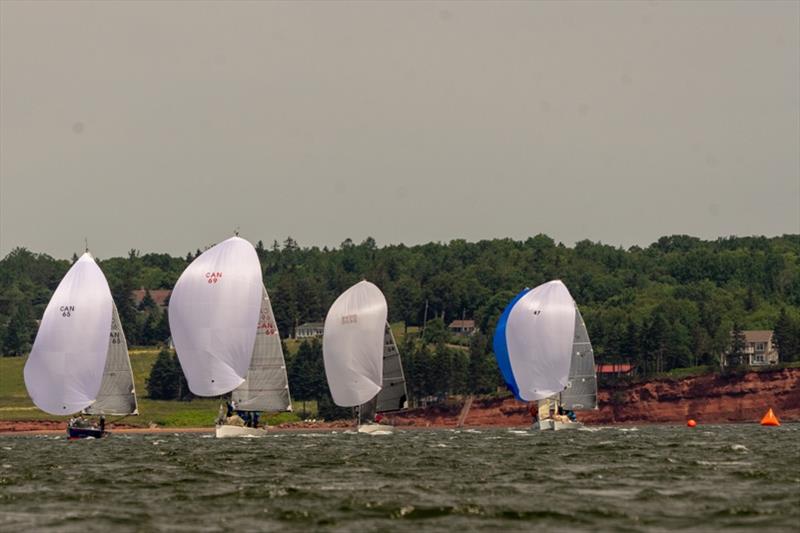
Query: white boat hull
x=553, y=425
x=226, y=431
x=375, y=429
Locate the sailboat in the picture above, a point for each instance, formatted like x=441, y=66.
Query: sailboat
x=362, y=363
x=79, y=362
x=266, y=386
x=226, y=338
x=544, y=354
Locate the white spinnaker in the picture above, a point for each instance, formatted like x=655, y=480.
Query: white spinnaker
x=65, y=368
x=539, y=333
x=213, y=315
x=352, y=344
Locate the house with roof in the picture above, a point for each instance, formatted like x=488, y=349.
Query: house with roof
x=462, y=327
x=614, y=369
x=159, y=296
x=309, y=330
x=759, y=348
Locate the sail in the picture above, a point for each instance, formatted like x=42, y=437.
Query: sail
x=393, y=395
x=352, y=344
x=266, y=387
x=65, y=367
x=213, y=316
x=117, y=395
x=533, y=341
x=581, y=391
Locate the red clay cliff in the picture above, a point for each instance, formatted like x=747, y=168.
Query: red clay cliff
x=708, y=399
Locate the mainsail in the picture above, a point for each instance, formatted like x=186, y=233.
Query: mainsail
x=581, y=391
x=393, y=395
x=533, y=341
x=213, y=316
x=65, y=368
x=352, y=344
x=266, y=387
x=117, y=395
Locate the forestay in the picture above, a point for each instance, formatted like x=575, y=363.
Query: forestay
x=65, y=368
x=266, y=387
x=581, y=391
x=352, y=344
x=117, y=395
x=533, y=341
x=213, y=316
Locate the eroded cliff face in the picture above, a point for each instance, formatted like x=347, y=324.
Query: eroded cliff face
x=708, y=399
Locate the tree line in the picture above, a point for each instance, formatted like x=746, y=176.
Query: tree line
x=671, y=304
x=432, y=371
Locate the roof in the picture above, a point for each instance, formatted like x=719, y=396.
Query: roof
x=462, y=324
x=757, y=335
x=618, y=368
x=312, y=325
x=159, y=296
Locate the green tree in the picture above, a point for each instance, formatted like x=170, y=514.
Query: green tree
x=482, y=371
x=736, y=355
x=787, y=337
x=327, y=410
x=164, y=379
x=436, y=331
x=306, y=373
x=20, y=330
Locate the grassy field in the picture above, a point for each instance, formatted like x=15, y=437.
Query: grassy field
x=200, y=412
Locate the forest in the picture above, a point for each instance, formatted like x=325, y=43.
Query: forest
x=669, y=305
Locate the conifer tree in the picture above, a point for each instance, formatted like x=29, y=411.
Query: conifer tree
x=736, y=356
x=163, y=382
x=787, y=337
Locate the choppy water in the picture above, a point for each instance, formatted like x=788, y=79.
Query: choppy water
x=742, y=477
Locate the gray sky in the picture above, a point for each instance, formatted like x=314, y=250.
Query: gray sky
x=162, y=126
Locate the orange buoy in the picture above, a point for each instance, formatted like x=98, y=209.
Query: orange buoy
x=691, y=423
x=770, y=419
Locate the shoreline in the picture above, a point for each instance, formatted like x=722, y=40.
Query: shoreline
x=338, y=426
x=708, y=399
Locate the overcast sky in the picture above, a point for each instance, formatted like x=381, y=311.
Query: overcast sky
x=163, y=126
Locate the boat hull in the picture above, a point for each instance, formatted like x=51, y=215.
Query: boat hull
x=375, y=429
x=226, y=431
x=86, y=433
x=553, y=425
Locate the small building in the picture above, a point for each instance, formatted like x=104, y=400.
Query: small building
x=309, y=329
x=759, y=348
x=614, y=369
x=462, y=327
x=159, y=296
